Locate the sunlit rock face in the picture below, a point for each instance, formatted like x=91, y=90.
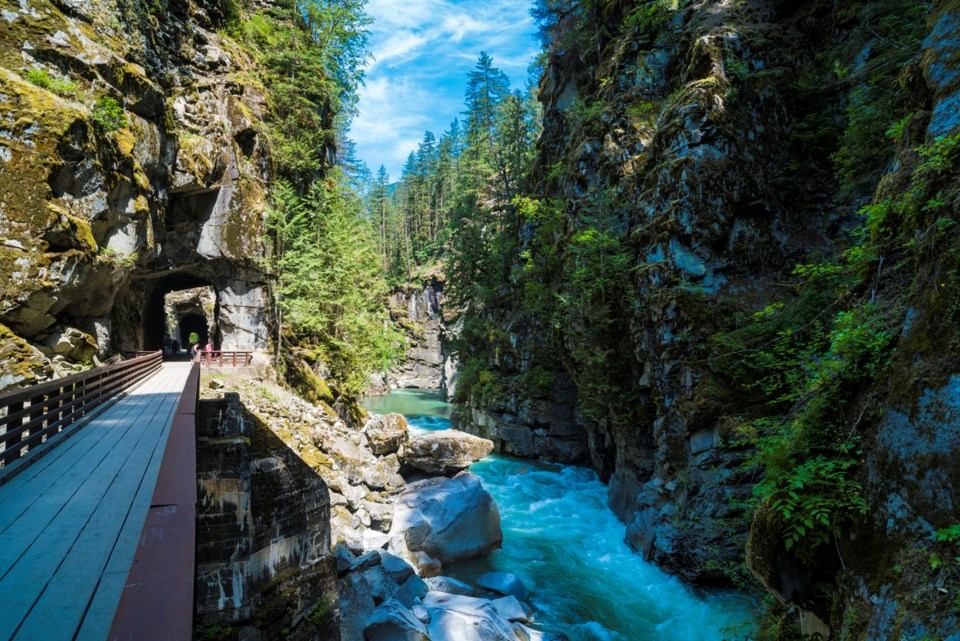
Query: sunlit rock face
x=131, y=165
x=418, y=310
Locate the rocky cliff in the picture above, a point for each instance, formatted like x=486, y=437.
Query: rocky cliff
x=132, y=163
x=740, y=256
x=418, y=310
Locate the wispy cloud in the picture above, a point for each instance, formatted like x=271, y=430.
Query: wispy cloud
x=423, y=50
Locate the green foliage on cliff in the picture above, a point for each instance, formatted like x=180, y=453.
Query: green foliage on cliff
x=61, y=86
x=886, y=36
x=806, y=363
x=329, y=287
x=108, y=114
x=311, y=55
x=580, y=292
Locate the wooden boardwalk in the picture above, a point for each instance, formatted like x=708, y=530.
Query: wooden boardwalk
x=70, y=523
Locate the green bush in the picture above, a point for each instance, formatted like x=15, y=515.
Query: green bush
x=41, y=78
x=108, y=114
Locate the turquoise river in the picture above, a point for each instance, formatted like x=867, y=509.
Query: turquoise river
x=560, y=538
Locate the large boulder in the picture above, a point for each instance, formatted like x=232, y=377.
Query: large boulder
x=462, y=618
x=444, y=451
x=392, y=621
x=351, y=459
x=72, y=343
x=440, y=520
x=386, y=433
x=356, y=606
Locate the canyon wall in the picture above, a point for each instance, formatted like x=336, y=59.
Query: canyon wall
x=418, y=311
x=132, y=163
x=700, y=152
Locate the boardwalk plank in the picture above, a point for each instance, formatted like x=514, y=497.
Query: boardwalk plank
x=78, y=492
x=37, y=557
x=67, y=464
x=73, y=586
x=99, y=490
x=99, y=615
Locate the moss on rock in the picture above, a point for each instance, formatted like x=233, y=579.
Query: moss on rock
x=20, y=362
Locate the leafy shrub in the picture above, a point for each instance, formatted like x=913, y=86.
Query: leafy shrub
x=108, y=114
x=808, y=358
x=60, y=86
x=650, y=17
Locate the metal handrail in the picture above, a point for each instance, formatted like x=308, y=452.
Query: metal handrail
x=30, y=416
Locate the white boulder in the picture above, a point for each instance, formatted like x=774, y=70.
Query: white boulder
x=512, y=609
x=462, y=618
x=445, y=520
x=392, y=621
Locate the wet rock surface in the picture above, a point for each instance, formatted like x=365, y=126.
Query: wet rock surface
x=382, y=599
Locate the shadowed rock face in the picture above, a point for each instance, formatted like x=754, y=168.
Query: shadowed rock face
x=96, y=219
x=698, y=137
x=263, y=530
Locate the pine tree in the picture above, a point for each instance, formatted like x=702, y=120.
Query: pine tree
x=329, y=287
x=379, y=212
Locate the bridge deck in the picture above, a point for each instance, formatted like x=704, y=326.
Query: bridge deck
x=69, y=523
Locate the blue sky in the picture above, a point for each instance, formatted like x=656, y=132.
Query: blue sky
x=422, y=51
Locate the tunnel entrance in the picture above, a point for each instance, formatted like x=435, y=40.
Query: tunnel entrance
x=192, y=329
x=181, y=305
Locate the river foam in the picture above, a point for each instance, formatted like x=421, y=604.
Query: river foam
x=560, y=538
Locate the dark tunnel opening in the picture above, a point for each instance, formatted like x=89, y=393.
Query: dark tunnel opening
x=189, y=324
x=155, y=317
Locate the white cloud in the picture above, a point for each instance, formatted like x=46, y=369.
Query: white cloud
x=423, y=50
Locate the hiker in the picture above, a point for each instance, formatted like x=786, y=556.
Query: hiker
x=208, y=349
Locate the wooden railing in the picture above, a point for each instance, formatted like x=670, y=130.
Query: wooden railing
x=30, y=416
x=224, y=359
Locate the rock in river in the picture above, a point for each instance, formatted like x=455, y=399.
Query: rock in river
x=463, y=618
x=444, y=451
x=441, y=520
x=504, y=583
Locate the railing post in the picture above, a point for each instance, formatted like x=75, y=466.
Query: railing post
x=15, y=407
x=35, y=414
